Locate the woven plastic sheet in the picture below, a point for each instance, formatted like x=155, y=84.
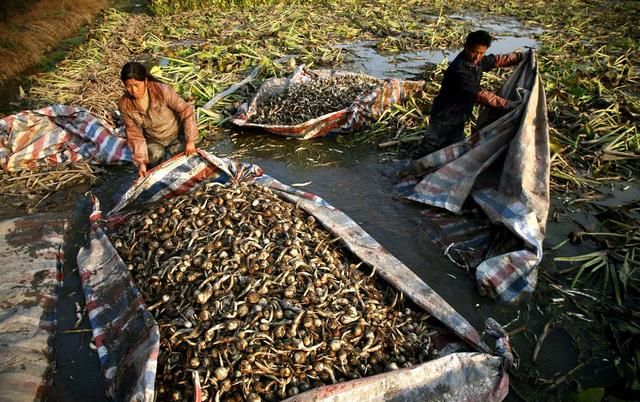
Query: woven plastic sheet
x=361, y=113
x=31, y=259
x=58, y=134
x=518, y=203
x=458, y=377
x=128, y=354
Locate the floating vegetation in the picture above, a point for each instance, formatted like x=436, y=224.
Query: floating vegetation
x=307, y=100
x=591, y=83
x=252, y=294
x=614, y=267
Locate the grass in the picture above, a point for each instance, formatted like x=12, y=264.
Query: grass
x=31, y=29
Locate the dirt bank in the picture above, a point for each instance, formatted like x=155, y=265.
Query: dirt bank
x=29, y=30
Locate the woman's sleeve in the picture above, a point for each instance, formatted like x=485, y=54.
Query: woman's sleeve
x=135, y=137
x=184, y=110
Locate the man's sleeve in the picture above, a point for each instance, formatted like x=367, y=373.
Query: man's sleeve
x=135, y=138
x=505, y=60
x=184, y=110
x=488, y=98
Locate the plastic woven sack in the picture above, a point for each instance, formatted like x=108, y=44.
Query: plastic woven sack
x=362, y=112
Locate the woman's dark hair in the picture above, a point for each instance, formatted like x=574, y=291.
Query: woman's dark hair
x=482, y=38
x=135, y=70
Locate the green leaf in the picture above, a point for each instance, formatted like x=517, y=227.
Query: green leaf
x=616, y=286
x=588, y=395
x=625, y=272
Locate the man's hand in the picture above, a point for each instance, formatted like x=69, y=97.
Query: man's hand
x=142, y=170
x=190, y=148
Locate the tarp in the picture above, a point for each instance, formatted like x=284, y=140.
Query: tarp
x=31, y=259
x=58, y=134
x=127, y=339
x=361, y=113
x=458, y=377
x=518, y=203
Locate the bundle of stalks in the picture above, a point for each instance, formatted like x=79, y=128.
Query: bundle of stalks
x=45, y=180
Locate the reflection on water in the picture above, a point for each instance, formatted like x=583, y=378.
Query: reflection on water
x=510, y=35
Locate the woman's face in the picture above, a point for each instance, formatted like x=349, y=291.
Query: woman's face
x=135, y=88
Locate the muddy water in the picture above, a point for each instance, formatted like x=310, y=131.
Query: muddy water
x=358, y=180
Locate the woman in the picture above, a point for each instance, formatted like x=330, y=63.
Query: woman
x=154, y=115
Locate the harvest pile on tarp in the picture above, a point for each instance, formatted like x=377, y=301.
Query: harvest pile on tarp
x=316, y=103
x=311, y=99
x=242, y=312
x=247, y=289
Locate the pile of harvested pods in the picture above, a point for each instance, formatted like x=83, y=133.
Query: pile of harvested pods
x=307, y=100
x=250, y=292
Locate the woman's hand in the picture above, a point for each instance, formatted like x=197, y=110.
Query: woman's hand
x=142, y=170
x=190, y=148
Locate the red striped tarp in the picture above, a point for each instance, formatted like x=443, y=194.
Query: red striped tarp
x=58, y=134
x=518, y=203
x=31, y=259
x=361, y=113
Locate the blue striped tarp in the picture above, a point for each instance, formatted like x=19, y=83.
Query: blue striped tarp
x=517, y=205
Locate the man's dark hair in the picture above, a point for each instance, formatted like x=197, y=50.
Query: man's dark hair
x=482, y=38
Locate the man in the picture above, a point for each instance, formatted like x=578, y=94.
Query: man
x=461, y=89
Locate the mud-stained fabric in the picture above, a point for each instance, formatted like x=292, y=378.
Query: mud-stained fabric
x=124, y=332
x=458, y=377
x=58, y=134
x=181, y=174
x=360, y=114
x=518, y=202
x=31, y=259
